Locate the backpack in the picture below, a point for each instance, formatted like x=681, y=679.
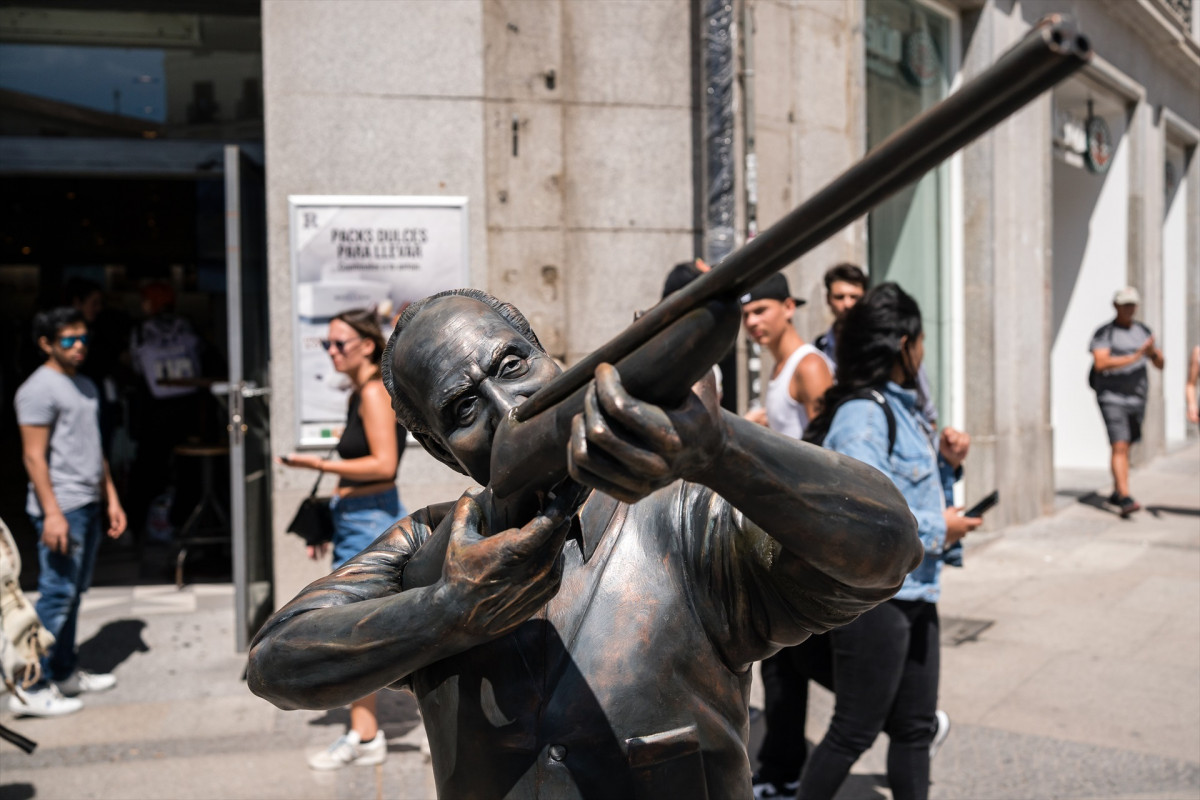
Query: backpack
x=167, y=348
x=867, y=394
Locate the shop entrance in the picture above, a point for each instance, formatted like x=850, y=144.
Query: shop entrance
x=141, y=243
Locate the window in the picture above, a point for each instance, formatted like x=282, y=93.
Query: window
x=909, y=65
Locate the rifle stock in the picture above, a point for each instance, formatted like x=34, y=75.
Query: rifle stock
x=672, y=345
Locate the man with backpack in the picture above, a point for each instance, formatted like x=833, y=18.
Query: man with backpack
x=1120, y=349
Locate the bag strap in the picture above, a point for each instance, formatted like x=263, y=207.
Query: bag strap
x=891, y=418
x=881, y=401
x=320, y=474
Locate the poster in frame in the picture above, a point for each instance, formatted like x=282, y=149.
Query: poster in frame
x=353, y=251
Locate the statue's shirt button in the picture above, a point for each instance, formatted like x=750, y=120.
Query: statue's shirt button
x=558, y=752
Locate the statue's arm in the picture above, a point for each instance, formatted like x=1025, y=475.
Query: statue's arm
x=829, y=513
x=358, y=630
x=354, y=631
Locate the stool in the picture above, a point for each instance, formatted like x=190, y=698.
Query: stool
x=196, y=531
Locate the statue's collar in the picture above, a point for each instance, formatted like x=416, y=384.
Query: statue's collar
x=593, y=520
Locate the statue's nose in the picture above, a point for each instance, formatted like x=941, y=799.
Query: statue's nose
x=500, y=397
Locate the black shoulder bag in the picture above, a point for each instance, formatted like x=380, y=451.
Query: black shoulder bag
x=313, y=521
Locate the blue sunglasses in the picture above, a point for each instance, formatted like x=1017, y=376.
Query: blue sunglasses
x=67, y=342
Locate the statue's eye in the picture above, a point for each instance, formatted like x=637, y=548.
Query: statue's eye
x=512, y=367
x=465, y=410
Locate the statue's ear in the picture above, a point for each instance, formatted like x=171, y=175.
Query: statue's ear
x=435, y=448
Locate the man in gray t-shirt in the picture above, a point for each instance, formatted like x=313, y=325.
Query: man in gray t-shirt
x=58, y=413
x=1120, y=350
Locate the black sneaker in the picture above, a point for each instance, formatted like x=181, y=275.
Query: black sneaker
x=1114, y=499
x=763, y=788
x=1128, y=505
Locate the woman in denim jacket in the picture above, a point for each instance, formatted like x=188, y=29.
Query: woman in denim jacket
x=885, y=669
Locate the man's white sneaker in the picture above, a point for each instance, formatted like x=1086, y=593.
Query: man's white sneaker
x=47, y=702
x=82, y=681
x=943, y=730
x=349, y=750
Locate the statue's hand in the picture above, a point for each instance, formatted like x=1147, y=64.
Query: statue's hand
x=495, y=582
x=628, y=449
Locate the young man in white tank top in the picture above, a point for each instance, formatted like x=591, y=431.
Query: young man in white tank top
x=802, y=372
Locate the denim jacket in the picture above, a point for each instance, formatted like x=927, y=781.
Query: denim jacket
x=859, y=429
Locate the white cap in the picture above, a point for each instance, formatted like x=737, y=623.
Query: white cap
x=1126, y=296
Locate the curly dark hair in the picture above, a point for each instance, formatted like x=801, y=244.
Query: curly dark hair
x=868, y=346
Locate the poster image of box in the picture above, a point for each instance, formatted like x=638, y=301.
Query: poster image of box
x=362, y=252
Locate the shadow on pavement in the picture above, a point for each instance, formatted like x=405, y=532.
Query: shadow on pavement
x=864, y=787
x=17, y=791
x=1095, y=501
x=1182, y=511
x=112, y=644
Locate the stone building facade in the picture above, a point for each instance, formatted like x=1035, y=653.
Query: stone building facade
x=582, y=134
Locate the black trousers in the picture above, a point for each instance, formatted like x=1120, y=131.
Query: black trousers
x=785, y=678
x=885, y=668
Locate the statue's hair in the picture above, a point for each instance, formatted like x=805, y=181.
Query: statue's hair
x=402, y=403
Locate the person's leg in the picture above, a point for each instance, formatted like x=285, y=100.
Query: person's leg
x=912, y=722
x=59, y=579
x=1117, y=425
x=358, y=521
x=362, y=718
x=868, y=659
x=1120, y=468
x=785, y=690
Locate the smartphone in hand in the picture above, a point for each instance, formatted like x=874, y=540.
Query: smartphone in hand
x=983, y=505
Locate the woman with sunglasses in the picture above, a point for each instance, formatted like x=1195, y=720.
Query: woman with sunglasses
x=366, y=502
x=886, y=662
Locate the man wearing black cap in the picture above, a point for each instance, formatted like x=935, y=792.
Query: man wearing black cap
x=801, y=376
x=802, y=372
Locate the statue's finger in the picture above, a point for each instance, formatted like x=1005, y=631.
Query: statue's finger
x=468, y=519
x=645, y=420
x=624, y=448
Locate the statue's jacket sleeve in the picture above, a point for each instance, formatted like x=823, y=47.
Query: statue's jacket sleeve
x=373, y=573
x=753, y=596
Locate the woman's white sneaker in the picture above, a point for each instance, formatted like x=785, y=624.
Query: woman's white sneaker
x=349, y=750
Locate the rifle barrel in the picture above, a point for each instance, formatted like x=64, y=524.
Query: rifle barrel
x=1050, y=52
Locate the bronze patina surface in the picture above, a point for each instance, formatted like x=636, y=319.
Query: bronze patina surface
x=598, y=651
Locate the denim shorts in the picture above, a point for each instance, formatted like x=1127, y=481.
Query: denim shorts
x=358, y=521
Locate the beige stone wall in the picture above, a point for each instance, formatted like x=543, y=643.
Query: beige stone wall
x=810, y=125
x=579, y=225
x=345, y=115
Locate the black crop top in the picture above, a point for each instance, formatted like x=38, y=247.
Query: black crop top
x=353, y=443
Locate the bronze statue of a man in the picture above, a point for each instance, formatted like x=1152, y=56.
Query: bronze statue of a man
x=600, y=650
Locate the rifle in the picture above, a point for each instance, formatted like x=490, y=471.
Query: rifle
x=676, y=342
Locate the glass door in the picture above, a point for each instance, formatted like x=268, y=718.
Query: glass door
x=248, y=392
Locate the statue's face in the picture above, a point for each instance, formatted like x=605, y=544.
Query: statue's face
x=465, y=367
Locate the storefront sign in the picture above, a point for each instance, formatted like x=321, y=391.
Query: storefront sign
x=360, y=252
